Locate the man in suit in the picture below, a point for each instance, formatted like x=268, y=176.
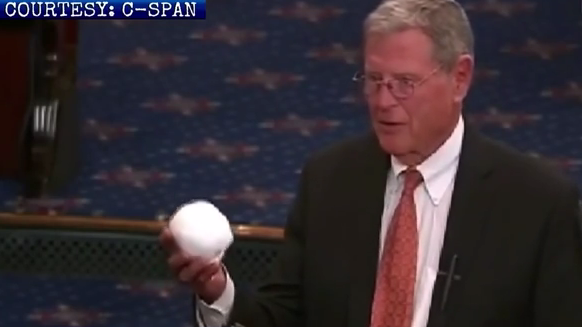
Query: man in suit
x=422, y=223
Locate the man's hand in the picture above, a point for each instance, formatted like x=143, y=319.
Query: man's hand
x=207, y=279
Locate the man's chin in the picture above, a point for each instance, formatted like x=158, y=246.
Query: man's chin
x=394, y=147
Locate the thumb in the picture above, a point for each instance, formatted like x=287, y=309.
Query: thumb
x=167, y=240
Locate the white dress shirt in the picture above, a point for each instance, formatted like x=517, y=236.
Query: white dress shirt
x=432, y=199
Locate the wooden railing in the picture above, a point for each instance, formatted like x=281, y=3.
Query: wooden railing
x=93, y=224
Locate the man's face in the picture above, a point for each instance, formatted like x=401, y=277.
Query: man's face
x=421, y=121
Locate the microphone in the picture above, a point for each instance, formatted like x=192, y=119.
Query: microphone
x=450, y=275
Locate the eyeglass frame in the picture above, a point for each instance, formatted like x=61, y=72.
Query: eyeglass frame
x=359, y=77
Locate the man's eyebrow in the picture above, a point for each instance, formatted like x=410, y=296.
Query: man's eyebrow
x=407, y=75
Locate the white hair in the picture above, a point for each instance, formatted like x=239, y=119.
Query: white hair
x=443, y=21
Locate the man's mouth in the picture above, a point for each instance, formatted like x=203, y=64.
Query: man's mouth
x=390, y=124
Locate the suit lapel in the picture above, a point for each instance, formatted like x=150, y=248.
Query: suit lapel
x=469, y=210
x=369, y=190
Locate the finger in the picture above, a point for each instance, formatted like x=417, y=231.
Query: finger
x=178, y=260
x=208, y=272
x=167, y=240
x=189, y=273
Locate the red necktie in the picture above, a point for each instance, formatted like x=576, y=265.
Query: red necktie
x=393, y=304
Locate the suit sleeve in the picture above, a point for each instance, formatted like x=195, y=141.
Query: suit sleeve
x=279, y=302
x=558, y=295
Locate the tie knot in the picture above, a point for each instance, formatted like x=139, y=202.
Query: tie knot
x=412, y=179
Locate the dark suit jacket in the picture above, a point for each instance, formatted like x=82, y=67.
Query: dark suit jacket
x=513, y=224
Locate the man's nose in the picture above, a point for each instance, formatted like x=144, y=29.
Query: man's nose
x=384, y=98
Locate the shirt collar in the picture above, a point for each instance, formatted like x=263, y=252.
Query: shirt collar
x=439, y=170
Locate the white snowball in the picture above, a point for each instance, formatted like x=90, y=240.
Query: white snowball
x=201, y=230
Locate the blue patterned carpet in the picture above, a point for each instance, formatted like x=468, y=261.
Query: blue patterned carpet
x=229, y=108
x=81, y=302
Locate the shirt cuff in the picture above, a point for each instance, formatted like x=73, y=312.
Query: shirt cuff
x=222, y=306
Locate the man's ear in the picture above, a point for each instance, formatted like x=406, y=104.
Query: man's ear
x=463, y=76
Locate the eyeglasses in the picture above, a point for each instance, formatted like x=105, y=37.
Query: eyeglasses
x=400, y=88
